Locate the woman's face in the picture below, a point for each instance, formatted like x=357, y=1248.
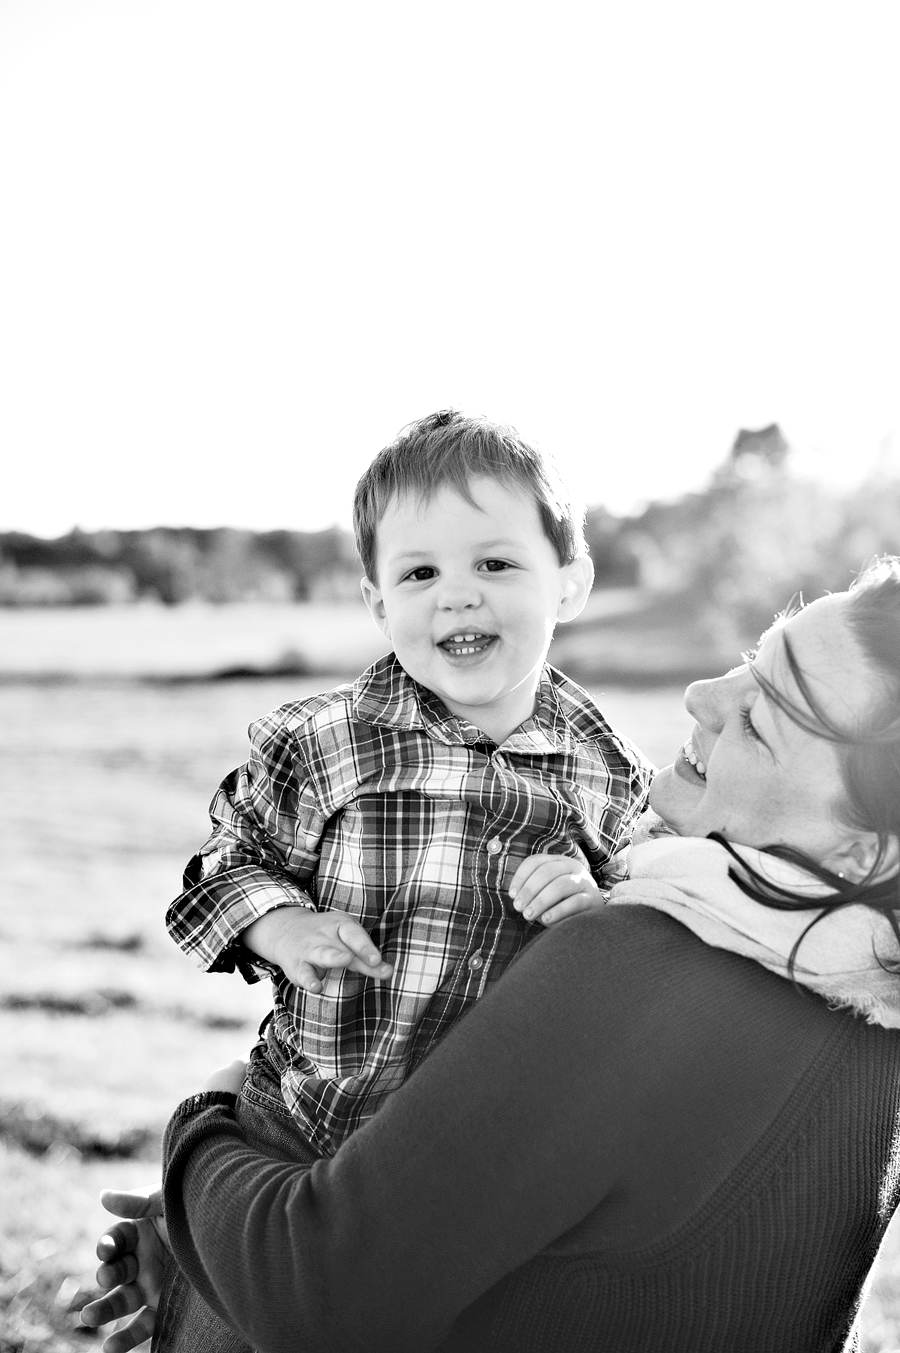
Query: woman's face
x=759, y=778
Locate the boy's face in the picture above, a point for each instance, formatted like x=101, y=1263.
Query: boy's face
x=469, y=597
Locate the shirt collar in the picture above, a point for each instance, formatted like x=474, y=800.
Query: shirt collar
x=385, y=695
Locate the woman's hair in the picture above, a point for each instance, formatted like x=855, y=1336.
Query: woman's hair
x=869, y=758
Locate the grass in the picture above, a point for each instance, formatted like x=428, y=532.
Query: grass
x=104, y=1026
x=52, y=1218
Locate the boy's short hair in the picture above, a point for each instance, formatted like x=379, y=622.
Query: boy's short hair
x=451, y=448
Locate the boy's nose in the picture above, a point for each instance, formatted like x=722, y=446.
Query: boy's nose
x=458, y=594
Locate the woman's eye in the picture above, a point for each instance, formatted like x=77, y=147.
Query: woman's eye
x=748, y=726
x=495, y=565
x=419, y=575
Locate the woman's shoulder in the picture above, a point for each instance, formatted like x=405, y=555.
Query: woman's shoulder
x=634, y=944
x=648, y=979
x=711, y=1051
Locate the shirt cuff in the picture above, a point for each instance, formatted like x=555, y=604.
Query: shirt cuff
x=208, y=920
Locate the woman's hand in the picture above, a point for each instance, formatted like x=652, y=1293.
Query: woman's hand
x=228, y=1079
x=133, y=1255
x=546, y=888
x=134, y=1251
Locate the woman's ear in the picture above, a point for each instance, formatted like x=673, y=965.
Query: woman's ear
x=375, y=603
x=578, y=579
x=859, y=859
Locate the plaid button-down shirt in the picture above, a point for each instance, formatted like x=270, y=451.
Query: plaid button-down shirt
x=374, y=800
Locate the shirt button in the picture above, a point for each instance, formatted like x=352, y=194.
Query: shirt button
x=494, y=846
x=476, y=962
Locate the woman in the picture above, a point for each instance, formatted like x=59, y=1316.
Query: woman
x=647, y=1136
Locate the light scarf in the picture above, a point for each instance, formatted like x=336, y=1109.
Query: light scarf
x=687, y=877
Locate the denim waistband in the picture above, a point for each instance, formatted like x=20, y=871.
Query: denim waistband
x=270, y=1049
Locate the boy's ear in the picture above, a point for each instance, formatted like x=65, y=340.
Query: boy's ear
x=578, y=579
x=373, y=599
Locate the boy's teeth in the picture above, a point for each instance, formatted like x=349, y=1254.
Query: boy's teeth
x=465, y=643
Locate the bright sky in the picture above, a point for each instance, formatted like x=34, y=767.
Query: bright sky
x=241, y=244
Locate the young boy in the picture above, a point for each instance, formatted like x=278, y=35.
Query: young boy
x=392, y=845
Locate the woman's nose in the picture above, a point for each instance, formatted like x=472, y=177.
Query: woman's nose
x=708, y=702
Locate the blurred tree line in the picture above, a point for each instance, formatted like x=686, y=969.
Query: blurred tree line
x=177, y=564
x=727, y=557
x=758, y=537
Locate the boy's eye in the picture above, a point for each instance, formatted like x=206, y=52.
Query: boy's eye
x=495, y=565
x=419, y=575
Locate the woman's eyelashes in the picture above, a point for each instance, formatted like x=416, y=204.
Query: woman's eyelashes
x=747, y=724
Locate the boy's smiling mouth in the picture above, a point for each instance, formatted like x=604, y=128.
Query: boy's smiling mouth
x=464, y=643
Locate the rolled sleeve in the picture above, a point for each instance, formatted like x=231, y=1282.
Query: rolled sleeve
x=208, y=919
x=262, y=854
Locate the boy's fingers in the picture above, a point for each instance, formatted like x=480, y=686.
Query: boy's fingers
x=571, y=906
x=526, y=869
x=346, y=945
x=365, y=968
x=306, y=977
x=329, y=956
x=359, y=943
x=336, y=958
x=551, y=883
x=548, y=898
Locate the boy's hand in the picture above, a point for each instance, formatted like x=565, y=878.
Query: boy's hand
x=134, y=1256
x=305, y=944
x=546, y=888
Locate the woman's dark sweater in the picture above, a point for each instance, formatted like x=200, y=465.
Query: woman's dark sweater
x=635, y=1142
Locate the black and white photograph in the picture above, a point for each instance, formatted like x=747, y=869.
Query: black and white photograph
x=449, y=677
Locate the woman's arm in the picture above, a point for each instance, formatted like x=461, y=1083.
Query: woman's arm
x=508, y=1135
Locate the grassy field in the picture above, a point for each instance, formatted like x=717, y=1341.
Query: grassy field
x=104, y=1026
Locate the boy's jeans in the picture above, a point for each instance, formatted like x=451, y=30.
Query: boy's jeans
x=184, y=1322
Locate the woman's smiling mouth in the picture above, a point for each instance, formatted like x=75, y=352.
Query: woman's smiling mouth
x=464, y=644
x=688, y=765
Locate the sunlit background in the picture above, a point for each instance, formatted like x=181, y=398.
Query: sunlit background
x=240, y=246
